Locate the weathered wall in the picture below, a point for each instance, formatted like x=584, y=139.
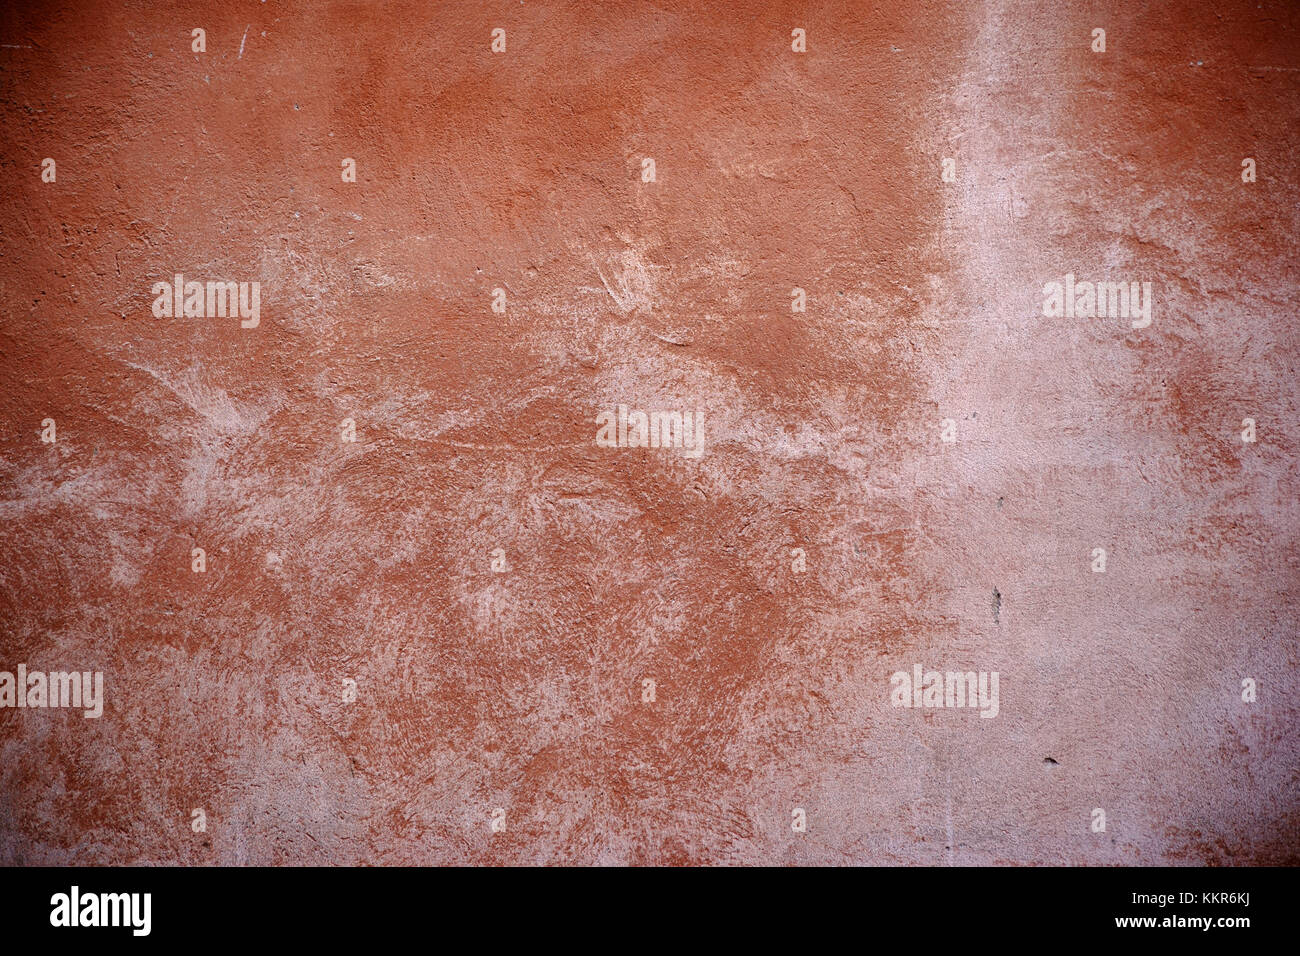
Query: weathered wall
x=523, y=689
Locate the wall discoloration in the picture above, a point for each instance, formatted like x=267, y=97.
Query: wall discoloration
x=522, y=689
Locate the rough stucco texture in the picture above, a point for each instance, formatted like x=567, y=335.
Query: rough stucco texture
x=523, y=689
